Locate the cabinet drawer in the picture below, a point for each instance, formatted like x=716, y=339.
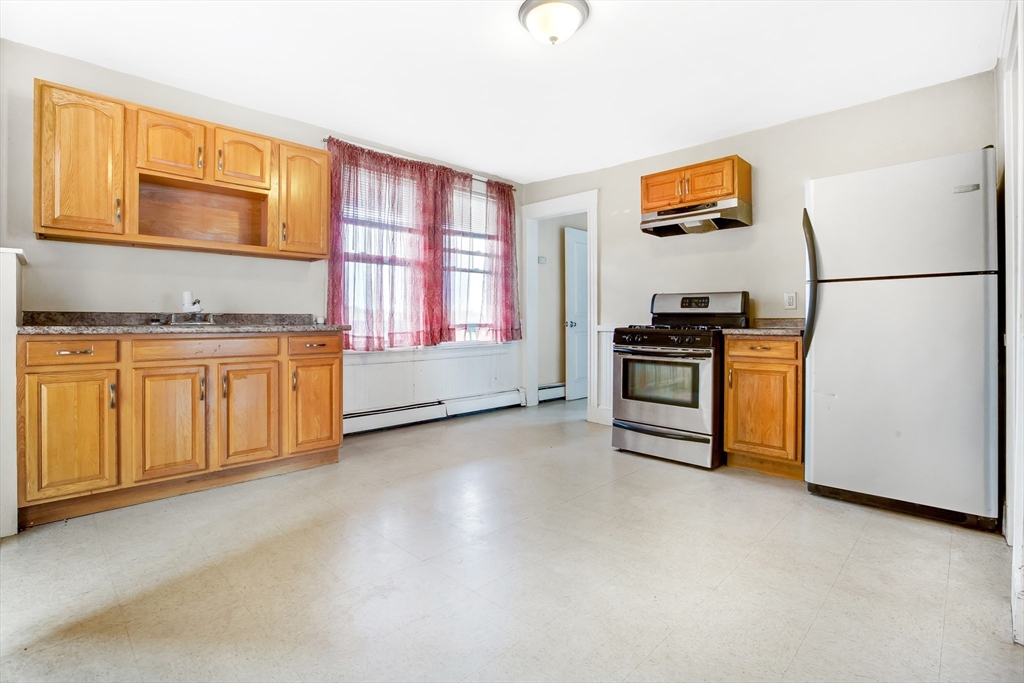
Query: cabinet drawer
x=763, y=347
x=70, y=352
x=180, y=349
x=318, y=344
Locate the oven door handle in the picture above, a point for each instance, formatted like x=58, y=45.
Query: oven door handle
x=663, y=433
x=671, y=355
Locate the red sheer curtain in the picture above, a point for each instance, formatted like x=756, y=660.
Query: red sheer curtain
x=503, y=303
x=396, y=272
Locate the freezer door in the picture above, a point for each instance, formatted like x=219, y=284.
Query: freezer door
x=902, y=391
x=927, y=217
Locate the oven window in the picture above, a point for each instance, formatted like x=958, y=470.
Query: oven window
x=656, y=381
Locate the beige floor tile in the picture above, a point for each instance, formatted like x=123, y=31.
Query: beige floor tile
x=410, y=594
x=103, y=655
x=427, y=540
x=825, y=656
x=466, y=634
x=514, y=545
x=969, y=657
x=477, y=563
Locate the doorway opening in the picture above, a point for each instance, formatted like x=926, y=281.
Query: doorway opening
x=562, y=307
x=560, y=300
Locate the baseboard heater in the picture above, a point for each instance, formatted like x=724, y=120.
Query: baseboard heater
x=426, y=412
x=551, y=392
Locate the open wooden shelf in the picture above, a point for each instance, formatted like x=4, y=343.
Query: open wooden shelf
x=177, y=209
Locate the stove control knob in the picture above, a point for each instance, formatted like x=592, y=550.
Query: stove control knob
x=690, y=340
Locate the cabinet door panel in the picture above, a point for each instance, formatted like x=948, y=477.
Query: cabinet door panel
x=169, y=421
x=81, y=159
x=710, y=181
x=761, y=409
x=242, y=159
x=305, y=197
x=660, y=191
x=314, y=420
x=250, y=412
x=170, y=144
x=70, y=433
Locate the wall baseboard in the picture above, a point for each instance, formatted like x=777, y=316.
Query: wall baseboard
x=551, y=392
x=397, y=417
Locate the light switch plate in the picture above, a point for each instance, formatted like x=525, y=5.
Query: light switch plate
x=789, y=301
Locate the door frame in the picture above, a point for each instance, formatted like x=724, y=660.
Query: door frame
x=532, y=214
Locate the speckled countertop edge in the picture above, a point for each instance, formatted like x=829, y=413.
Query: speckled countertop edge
x=176, y=329
x=770, y=327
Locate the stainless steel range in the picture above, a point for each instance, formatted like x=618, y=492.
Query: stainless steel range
x=668, y=377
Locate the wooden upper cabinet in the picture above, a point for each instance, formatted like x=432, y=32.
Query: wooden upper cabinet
x=314, y=404
x=169, y=421
x=304, y=199
x=170, y=144
x=242, y=159
x=709, y=181
x=725, y=178
x=70, y=433
x=660, y=191
x=81, y=161
x=249, y=412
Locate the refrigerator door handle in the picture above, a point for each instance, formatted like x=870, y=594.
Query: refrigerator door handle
x=812, y=282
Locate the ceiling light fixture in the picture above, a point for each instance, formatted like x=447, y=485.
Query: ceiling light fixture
x=553, y=21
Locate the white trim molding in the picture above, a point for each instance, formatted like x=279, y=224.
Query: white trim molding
x=1010, y=84
x=581, y=202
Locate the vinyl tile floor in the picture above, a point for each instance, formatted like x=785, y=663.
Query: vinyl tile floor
x=515, y=545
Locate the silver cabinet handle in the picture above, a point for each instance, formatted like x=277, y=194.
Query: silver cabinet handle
x=284, y=232
x=224, y=386
x=117, y=216
x=315, y=346
x=295, y=379
x=83, y=352
x=202, y=388
x=220, y=159
x=687, y=190
x=679, y=190
x=730, y=378
x=760, y=348
x=200, y=157
x=112, y=395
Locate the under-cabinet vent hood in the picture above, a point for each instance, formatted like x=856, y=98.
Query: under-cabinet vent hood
x=705, y=217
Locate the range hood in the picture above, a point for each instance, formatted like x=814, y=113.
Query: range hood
x=706, y=217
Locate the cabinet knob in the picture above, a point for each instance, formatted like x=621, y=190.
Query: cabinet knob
x=284, y=231
x=220, y=159
x=200, y=157
x=730, y=378
x=112, y=394
x=224, y=386
x=295, y=379
x=202, y=388
x=117, y=216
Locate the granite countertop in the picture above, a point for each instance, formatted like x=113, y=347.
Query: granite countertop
x=61, y=322
x=770, y=327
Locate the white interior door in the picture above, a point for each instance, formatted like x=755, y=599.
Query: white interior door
x=576, y=323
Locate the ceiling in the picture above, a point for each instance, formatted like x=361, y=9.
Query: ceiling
x=464, y=83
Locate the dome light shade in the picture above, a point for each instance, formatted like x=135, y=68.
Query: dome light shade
x=553, y=21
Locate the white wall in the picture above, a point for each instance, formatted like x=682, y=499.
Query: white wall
x=551, y=295
x=67, y=276
x=768, y=258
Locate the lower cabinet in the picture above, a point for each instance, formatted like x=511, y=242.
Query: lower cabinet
x=195, y=411
x=764, y=404
x=314, y=420
x=70, y=433
x=169, y=421
x=249, y=412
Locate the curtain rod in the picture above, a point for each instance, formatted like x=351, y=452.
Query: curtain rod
x=402, y=156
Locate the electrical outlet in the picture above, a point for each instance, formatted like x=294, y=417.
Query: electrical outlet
x=789, y=301
x=542, y=260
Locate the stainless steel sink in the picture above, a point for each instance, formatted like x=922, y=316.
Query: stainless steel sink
x=189, y=319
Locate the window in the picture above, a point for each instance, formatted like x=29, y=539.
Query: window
x=421, y=255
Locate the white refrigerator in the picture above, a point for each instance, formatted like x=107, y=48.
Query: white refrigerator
x=902, y=335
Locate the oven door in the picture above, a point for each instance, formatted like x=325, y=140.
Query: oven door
x=664, y=387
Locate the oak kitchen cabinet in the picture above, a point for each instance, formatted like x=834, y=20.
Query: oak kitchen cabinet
x=112, y=420
x=113, y=172
x=764, y=403
x=707, y=181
